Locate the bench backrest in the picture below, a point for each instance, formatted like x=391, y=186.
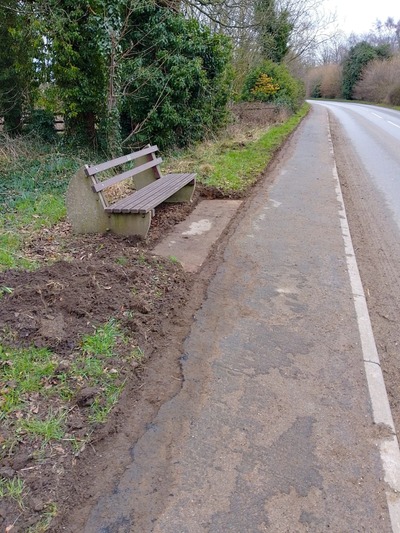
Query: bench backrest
x=153, y=162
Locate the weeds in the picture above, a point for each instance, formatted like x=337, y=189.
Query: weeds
x=50, y=512
x=13, y=488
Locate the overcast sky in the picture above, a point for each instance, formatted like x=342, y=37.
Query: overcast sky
x=358, y=16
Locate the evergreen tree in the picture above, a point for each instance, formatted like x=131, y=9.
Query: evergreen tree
x=274, y=29
x=357, y=59
x=18, y=72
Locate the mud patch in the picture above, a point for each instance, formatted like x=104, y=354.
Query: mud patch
x=54, y=308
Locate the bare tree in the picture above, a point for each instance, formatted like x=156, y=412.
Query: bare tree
x=380, y=81
x=311, y=23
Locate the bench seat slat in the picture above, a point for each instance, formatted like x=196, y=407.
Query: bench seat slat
x=95, y=169
x=161, y=196
x=152, y=195
x=141, y=196
x=160, y=187
x=149, y=197
x=156, y=197
x=101, y=185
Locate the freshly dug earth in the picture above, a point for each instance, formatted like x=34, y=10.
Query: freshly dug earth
x=55, y=307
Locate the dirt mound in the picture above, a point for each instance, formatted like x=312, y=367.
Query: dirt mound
x=55, y=307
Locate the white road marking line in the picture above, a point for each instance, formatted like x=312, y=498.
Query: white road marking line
x=388, y=446
x=376, y=114
x=393, y=124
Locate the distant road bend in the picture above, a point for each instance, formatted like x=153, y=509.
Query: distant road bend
x=374, y=135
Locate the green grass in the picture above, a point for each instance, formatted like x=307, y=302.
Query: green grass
x=49, y=429
x=13, y=488
x=34, y=177
x=236, y=170
x=103, y=341
x=36, y=396
x=101, y=408
x=23, y=371
x=94, y=368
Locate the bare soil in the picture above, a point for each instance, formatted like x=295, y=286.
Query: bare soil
x=87, y=280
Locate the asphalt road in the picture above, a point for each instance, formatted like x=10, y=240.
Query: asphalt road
x=275, y=427
x=375, y=137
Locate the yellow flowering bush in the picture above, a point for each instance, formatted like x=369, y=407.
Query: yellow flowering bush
x=265, y=87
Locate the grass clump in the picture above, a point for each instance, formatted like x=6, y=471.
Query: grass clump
x=13, y=488
x=39, y=389
x=104, y=340
x=49, y=429
x=23, y=371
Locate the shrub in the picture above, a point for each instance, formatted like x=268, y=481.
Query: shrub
x=41, y=123
x=273, y=83
x=394, y=96
x=315, y=91
x=324, y=81
x=360, y=55
x=379, y=81
x=178, y=81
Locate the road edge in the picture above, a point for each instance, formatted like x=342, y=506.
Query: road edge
x=381, y=412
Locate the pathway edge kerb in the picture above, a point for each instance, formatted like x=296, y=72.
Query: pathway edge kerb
x=388, y=446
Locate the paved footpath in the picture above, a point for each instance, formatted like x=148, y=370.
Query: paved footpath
x=273, y=429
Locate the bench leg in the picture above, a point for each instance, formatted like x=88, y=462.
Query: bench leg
x=183, y=195
x=130, y=224
x=84, y=207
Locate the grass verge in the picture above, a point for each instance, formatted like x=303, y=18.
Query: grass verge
x=233, y=166
x=34, y=178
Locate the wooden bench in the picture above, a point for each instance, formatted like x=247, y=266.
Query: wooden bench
x=90, y=212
